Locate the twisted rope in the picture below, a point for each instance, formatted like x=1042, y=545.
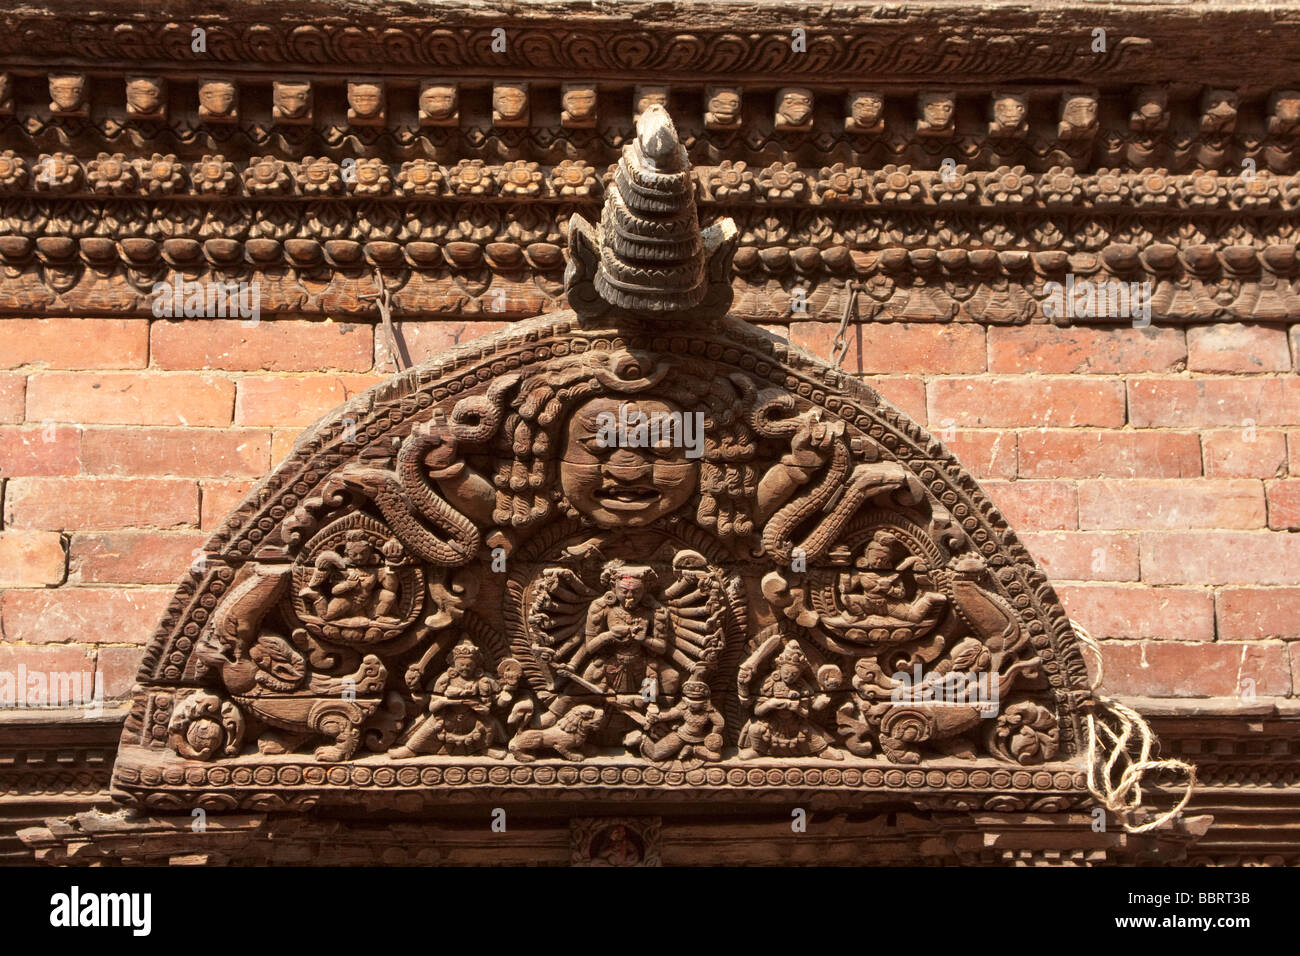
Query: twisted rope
x=1122, y=795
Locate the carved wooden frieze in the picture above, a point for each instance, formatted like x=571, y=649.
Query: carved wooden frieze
x=634, y=549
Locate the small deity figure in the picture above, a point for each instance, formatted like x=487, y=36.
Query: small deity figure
x=510, y=104
x=723, y=110
x=1078, y=117
x=68, y=94
x=616, y=848
x=877, y=593
x=292, y=101
x=366, y=102
x=6, y=94
x=578, y=106
x=438, y=104
x=937, y=111
x=1010, y=111
x=356, y=584
x=461, y=718
x=866, y=112
x=696, y=726
x=145, y=96
x=794, y=109
x=782, y=724
x=217, y=101
x=1218, y=112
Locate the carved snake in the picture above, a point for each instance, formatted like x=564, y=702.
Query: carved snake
x=778, y=533
x=405, y=497
x=476, y=418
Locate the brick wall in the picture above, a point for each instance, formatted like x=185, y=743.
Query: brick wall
x=1154, y=472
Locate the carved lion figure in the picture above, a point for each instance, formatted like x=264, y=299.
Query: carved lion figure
x=567, y=737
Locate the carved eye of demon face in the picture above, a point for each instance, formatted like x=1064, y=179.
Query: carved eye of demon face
x=626, y=463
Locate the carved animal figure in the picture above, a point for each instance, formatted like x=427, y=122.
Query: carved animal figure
x=407, y=500
x=269, y=678
x=842, y=490
x=567, y=737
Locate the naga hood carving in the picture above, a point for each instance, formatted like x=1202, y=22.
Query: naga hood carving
x=639, y=549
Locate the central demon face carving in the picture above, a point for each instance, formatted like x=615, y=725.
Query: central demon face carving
x=616, y=484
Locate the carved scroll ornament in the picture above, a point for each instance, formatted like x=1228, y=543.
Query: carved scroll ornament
x=637, y=548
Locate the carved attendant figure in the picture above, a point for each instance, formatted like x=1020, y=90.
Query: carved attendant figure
x=695, y=727
x=782, y=724
x=460, y=717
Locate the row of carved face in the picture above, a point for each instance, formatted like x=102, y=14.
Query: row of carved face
x=438, y=102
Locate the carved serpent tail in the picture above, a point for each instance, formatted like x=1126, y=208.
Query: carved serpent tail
x=477, y=418
x=401, y=505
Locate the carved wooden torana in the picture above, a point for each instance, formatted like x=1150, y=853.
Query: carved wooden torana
x=638, y=549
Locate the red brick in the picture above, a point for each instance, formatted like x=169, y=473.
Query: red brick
x=219, y=499
x=183, y=452
x=75, y=343
x=1084, y=555
x=282, y=401
x=1284, y=504
x=115, y=668
x=907, y=394
x=132, y=557
x=1087, y=453
x=130, y=398
x=31, y=559
x=1251, y=614
x=1293, y=453
x=892, y=347
x=1148, y=505
x=430, y=340
x=1035, y=505
x=1196, y=670
x=95, y=504
x=36, y=450
x=818, y=338
x=13, y=398
x=985, y=454
x=1132, y=612
x=1195, y=403
x=1244, y=453
x=282, y=442
x=281, y=345
x=1220, y=557
x=44, y=676
x=1018, y=402
x=1228, y=347
x=82, y=615
x=1049, y=349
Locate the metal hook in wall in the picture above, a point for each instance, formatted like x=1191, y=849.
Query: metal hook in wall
x=384, y=302
x=840, y=344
